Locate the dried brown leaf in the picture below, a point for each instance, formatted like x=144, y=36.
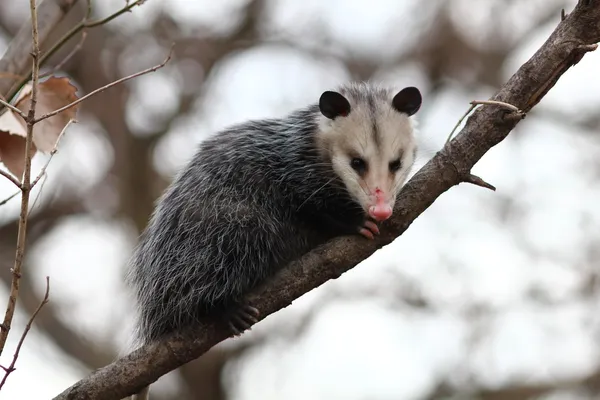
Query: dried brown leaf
x=13, y=132
x=53, y=94
x=13, y=123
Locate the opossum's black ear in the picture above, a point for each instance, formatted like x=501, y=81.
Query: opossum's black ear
x=333, y=105
x=408, y=100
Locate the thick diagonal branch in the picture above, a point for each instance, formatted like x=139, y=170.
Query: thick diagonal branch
x=487, y=127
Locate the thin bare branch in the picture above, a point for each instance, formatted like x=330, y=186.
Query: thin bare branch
x=12, y=108
x=460, y=122
x=25, y=185
x=502, y=104
x=11, y=368
x=38, y=196
x=52, y=153
x=11, y=178
x=9, y=198
x=103, y=88
x=128, y=7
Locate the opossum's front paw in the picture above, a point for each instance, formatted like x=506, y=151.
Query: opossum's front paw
x=241, y=318
x=369, y=229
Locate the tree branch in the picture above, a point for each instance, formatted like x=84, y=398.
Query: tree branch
x=487, y=127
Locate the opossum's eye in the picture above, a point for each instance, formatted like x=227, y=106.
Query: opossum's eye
x=395, y=165
x=358, y=164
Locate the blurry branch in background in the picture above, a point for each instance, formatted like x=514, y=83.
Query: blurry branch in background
x=15, y=62
x=488, y=126
x=81, y=26
x=73, y=51
x=55, y=98
x=587, y=384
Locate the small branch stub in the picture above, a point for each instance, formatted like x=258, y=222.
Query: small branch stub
x=582, y=50
x=475, y=180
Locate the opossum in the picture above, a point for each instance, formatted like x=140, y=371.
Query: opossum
x=260, y=194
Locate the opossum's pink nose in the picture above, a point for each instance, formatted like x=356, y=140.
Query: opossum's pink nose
x=380, y=212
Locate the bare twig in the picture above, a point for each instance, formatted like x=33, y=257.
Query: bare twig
x=25, y=185
x=103, y=88
x=11, y=178
x=12, y=108
x=460, y=122
x=518, y=113
x=38, y=196
x=11, y=368
x=52, y=153
x=9, y=198
x=42, y=173
x=128, y=7
x=502, y=104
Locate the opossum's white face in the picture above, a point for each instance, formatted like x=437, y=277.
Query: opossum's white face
x=369, y=138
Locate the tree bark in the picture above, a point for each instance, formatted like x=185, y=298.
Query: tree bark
x=488, y=126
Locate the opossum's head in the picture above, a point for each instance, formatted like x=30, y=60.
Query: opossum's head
x=368, y=136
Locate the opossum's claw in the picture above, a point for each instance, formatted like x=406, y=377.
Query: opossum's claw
x=369, y=229
x=241, y=318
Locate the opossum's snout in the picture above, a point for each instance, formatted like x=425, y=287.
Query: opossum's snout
x=382, y=209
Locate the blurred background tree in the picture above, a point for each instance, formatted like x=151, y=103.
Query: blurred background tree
x=487, y=295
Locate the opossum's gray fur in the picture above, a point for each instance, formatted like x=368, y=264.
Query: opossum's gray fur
x=254, y=197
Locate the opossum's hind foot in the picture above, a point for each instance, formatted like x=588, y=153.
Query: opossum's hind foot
x=241, y=318
x=369, y=230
